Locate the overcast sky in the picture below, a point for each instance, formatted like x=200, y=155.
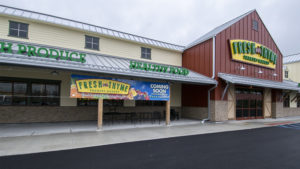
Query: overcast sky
x=175, y=21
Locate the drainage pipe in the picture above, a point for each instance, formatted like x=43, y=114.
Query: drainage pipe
x=208, y=104
x=213, y=76
x=225, y=90
x=214, y=57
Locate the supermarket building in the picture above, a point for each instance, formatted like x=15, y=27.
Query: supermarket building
x=55, y=70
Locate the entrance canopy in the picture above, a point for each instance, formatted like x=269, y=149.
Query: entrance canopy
x=20, y=53
x=243, y=80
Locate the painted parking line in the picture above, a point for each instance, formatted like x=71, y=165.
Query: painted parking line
x=291, y=126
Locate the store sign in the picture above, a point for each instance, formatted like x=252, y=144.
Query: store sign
x=102, y=86
x=158, y=68
x=252, y=52
x=29, y=50
x=112, y=88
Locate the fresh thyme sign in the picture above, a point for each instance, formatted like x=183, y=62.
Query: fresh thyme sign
x=158, y=68
x=252, y=52
x=6, y=47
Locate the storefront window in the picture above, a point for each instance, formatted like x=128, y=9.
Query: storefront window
x=44, y=94
x=87, y=102
x=19, y=93
x=52, y=91
x=286, y=100
x=37, y=94
x=94, y=102
x=24, y=92
x=5, y=93
x=112, y=103
x=149, y=103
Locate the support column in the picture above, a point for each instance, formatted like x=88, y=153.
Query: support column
x=100, y=113
x=168, y=108
x=168, y=111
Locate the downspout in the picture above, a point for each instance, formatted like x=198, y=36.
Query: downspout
x=214, y=57
x=225, y=90
x=213, y=76
x=208, y=104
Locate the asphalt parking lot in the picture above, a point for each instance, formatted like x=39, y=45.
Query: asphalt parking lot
x=263, y=148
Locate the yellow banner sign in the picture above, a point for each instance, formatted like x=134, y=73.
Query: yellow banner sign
x=253, y=53
x=102, y=86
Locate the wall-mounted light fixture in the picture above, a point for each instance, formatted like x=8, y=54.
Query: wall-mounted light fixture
x=54, y=73
x=260, y=72
x=242, y=68
x=275, y=74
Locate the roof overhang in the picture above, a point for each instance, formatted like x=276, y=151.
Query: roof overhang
x=248, y=81
x=99, y=63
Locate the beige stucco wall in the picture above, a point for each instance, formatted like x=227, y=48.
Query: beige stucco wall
x=176, y=95
x=293, y=102
x=64, y=77
x=60, y=36
x=219, y=110
x=279, y=111
x=293, y=69
x=267, y=103
x=231, y=102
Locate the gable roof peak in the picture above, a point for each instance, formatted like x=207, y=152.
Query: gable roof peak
x=217, y=30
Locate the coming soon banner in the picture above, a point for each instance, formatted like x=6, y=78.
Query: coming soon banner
x=122, y=89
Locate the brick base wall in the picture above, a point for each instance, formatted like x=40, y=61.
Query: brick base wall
x=279, y=111
x=27, y=114
x=219, y=110
x=194, y=112
x=20, y=114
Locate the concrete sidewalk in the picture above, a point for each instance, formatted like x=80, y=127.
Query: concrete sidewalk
x=53, y=142
x=34, y=129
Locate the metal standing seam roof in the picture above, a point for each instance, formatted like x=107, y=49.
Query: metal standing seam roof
x=243, y=80
x=291, y=58
x=98, y=63
x=217, y=30
x=27, y=14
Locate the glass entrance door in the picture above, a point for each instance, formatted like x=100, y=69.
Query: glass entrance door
x=249, y=103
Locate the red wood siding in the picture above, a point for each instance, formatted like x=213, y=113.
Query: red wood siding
x=243, y=30
x=199, y=58
x=194, y=95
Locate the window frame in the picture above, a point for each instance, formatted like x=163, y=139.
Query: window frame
x=18, y=29
x=92, y=43
x=28, y=94
x=146, y=53
x=286, y=101
x=141, y=103
x=119, y=103
x=286, y=74
x=256, y=23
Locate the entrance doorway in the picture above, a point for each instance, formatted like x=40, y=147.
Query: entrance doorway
x=249, y=103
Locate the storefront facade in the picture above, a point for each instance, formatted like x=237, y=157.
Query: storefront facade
x=56, y=70
x=291, y=65
x=243, y=57
x=40, y=54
